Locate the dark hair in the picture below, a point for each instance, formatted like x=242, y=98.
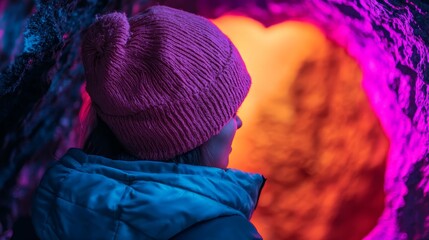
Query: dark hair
x=101, y=141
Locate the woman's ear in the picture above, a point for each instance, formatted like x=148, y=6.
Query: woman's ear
x=239, y=122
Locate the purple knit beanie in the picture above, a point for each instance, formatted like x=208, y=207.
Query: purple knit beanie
x=164, y=81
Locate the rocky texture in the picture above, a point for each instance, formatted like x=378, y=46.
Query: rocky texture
x=39, y=93
x=39, y=90
x=389, y=39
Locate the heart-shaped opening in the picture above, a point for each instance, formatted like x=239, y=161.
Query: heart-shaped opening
x=309, y=128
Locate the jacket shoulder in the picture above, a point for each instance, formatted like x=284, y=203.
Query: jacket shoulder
x=225, y=228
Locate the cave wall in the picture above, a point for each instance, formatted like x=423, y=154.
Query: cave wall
x=389, y=40
x=309, y=128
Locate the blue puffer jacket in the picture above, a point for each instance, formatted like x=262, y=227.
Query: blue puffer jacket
x=91, y=197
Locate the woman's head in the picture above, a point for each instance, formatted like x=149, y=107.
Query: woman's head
x=164, y=82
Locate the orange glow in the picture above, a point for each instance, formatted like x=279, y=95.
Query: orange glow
x=308, y=127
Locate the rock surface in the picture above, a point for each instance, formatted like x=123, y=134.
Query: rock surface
x=389, y=39
x=308, y=127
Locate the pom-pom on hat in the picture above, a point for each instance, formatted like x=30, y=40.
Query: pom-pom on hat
x=165, y=81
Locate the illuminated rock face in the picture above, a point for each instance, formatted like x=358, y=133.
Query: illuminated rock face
x=310, y=130
x=390, y=42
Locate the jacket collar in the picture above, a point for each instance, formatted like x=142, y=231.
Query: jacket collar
x=171, y=196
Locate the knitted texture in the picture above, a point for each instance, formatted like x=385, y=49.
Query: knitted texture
x=164, y=81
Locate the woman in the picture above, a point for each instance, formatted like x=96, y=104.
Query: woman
x=165, y=86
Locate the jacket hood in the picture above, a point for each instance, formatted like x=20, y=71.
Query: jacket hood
x=91, y=197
